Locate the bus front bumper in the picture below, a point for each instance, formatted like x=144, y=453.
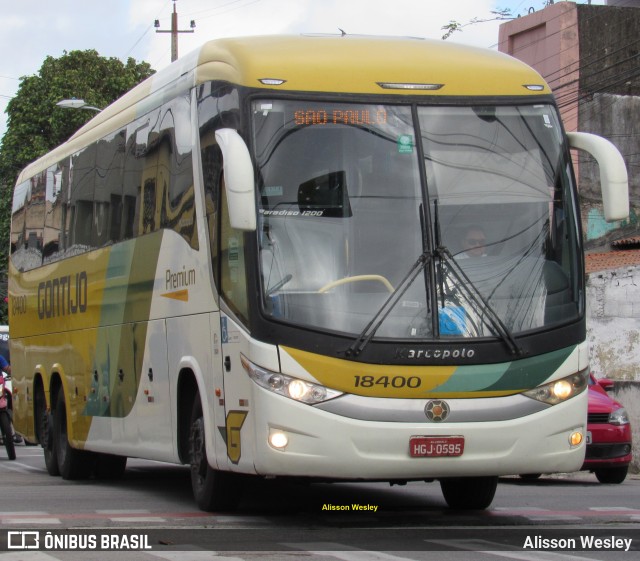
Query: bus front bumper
x=324, y=445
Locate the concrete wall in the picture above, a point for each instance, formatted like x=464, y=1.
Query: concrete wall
x=613, y=323
x=613, y=331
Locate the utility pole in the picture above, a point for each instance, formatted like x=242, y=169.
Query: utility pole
x=174, y=31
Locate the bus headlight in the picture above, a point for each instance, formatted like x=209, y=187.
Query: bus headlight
x=288, y=386
x=560, y=390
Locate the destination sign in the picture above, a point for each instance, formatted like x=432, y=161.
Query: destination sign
x=339, y=116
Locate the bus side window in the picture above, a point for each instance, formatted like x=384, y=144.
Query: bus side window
x=233, y=278
x=28, y=216
x=218, y=107
x=82, y=186
x=211, y=173
x=107, y=216
x=175, y=170
x=56, y=199
x=140, y=167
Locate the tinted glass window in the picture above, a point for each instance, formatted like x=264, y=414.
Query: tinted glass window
x=81, y=198
x=107, y=225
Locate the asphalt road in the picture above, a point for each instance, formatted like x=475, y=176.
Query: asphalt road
x=556, y=517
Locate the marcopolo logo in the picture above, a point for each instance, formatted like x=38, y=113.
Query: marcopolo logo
x=438, y=353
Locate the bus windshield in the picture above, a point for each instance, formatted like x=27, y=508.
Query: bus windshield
x=351, y=195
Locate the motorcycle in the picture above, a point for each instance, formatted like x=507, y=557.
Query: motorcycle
x=5, y=419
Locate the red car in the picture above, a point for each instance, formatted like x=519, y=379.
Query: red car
x=608, y=435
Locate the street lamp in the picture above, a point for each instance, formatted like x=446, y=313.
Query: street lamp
x=74, y=103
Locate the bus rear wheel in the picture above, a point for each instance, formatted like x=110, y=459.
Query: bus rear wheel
x=213, y=490
x=44, y=431
x=469, y=493
x=49, y=445
x=72, y=463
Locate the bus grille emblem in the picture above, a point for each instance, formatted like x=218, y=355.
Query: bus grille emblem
x=437, y=410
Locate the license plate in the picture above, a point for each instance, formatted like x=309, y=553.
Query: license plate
x=436, y=446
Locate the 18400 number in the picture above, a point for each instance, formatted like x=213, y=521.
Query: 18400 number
x=387, y=381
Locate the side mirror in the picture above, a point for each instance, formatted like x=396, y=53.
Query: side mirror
x=238, y=179
x=613, y=173
x=606, y=384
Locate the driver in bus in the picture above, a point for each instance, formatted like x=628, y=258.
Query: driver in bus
x=474, y=243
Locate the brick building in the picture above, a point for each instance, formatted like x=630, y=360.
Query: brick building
x=590, y=56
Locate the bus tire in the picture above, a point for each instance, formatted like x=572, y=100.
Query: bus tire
x=5, y=426
x=72, y=463
x=49, y=444
x=213, y=490
x=469, y=493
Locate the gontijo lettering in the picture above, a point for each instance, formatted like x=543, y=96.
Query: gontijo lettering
x=63, y=296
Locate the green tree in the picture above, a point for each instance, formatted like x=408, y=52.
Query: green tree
x=35, y=124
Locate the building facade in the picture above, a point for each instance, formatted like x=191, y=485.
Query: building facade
x=590, y=56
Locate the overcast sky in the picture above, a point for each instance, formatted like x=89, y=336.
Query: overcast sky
x=30, y=30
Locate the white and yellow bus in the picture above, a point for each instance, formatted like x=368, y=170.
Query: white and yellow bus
x=255, y=262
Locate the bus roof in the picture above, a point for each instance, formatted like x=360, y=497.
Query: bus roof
x=340, y=64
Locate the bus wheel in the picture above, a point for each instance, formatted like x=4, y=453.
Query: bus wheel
x=72, y=463
x=212, y=489
x=44, y=430
x=48, y=444
x=469, y=493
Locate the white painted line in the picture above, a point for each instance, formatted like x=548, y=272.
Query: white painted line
x=137, y=519
x=344, y=552
x=486, y=547
x=39, y=521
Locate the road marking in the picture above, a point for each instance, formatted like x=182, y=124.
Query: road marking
x=137, y=519
x=31, y=556
x=613, y=508
x=192, y=556
x=344, y=552
x=487, y=548
x=19, y=467
x=27, y=520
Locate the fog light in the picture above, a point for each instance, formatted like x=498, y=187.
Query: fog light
x=575, y=438
x=278, y=440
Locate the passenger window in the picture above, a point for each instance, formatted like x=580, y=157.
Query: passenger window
x=175, y=196
x=107, y=221
x=139, y=180
x=233, y=278
x=81, y=198
x=28, y=223
x=57, y=190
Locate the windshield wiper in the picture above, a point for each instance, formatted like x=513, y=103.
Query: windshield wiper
x=465, y=284
x=472, y=294
x=376, y=321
